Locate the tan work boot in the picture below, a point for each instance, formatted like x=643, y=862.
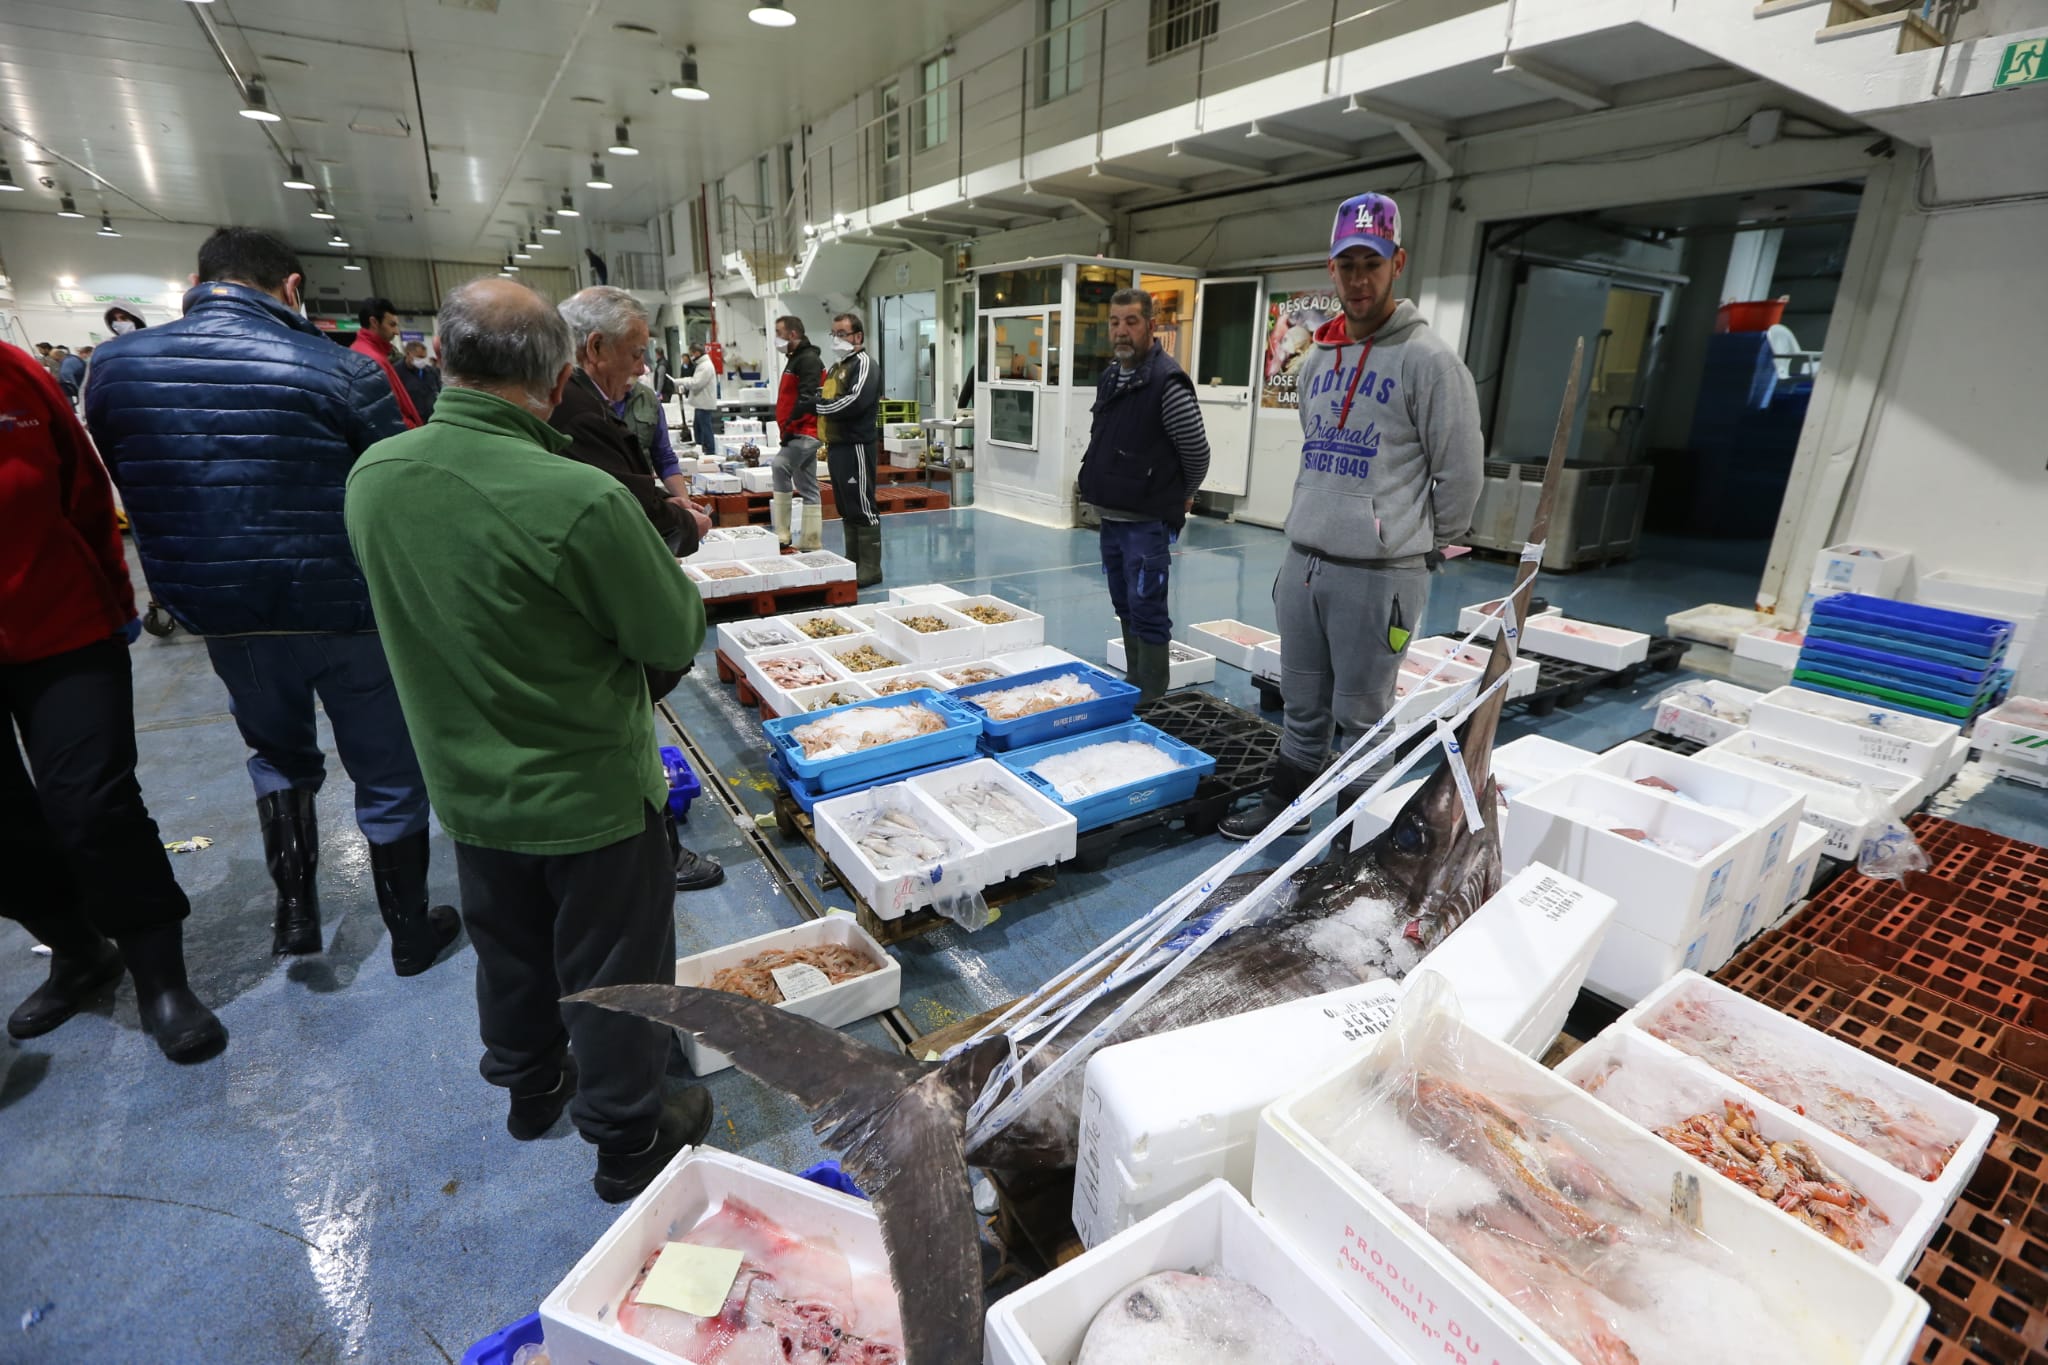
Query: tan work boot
x=779, y=514
x=813, y=536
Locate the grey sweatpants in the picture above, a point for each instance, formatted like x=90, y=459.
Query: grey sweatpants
x=1336, y=666
x=549, y=925
x=796, y=468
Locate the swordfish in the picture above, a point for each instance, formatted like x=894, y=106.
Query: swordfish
x=900, y=1125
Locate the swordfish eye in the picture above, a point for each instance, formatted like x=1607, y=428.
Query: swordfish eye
x=1408, y=834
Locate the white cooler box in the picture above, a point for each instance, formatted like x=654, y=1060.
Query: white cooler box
x=1231, y=641
x=1829, y=782
x=1023, y=630
x=1474, y=618
x=1521, y=674
x=1769, y=809
x=1583, y=642
x=894, y=893
x=1917, y=746
x=833, y=1006
x=1186, y=666
x=2014, y=739
x=1861, y=568
x=1704, y=711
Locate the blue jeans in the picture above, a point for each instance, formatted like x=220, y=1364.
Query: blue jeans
x=1136, y=556
x=271, y=682
x=704, y=426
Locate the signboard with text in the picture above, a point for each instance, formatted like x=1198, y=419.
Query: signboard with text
x=1291, y=322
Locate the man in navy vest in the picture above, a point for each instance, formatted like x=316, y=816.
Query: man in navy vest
x=1147, y=454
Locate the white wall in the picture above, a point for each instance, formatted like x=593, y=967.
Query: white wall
x=149, y=261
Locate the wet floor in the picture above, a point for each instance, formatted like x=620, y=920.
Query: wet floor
x=339, y=1184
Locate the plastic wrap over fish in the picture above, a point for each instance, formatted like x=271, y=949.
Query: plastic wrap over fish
x=906, y=843
x=1093, y=768
x=1702, y=700
x=766, y=635
x=865, y=727
x=1015, y=703
x=1498, y=1173
x=990, y=811
x=1206, y=1316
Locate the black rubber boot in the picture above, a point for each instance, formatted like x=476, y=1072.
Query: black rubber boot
x=1286, y=783
x=697, y=871
x=864, y=548
x=291, y=848
x=83, y=965
x=418, y=932
x=1150, y=668
x=532, y=1115
x=685, y=1119
x=184, y=1028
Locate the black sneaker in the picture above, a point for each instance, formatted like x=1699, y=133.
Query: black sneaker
x=685, y=1119
x=533, y=1115
x=1247, y=823
x=697, y=871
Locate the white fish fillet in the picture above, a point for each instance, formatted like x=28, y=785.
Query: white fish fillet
x=1213, y=1319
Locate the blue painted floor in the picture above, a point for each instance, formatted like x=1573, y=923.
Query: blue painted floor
x=339, y=1185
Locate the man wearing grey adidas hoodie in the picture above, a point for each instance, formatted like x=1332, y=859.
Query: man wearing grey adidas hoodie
x=1391, y=460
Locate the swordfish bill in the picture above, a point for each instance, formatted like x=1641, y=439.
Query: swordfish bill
x=900, y=1125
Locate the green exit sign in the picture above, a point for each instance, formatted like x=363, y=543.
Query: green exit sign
x=2024, y=61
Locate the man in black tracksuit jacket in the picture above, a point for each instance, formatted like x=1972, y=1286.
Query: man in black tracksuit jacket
x=846, y=412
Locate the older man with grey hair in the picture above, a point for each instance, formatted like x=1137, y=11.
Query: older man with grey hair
x=608, y=328
x=522, y=597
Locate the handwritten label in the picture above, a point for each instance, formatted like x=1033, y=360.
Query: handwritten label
x=798, y=980
x=691, y=1279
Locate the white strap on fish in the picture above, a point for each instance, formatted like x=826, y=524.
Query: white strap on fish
x=1453, y=756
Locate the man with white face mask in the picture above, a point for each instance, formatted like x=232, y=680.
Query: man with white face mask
x=120, y=322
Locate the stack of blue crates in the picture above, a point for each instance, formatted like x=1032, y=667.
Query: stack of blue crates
x=1944, y=664
x=811, y=780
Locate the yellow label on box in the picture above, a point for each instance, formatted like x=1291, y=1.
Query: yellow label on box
x=691, y=1279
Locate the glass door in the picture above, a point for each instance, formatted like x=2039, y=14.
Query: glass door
x=1019, y=347
x=1227, y=314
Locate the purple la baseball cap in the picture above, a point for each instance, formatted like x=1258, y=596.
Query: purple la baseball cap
x=1372, y=221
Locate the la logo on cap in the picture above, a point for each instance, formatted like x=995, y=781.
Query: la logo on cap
x=1363, y=219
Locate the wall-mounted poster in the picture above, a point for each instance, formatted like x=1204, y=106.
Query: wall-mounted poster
x=1291, y=322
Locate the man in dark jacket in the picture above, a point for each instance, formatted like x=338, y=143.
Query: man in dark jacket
x=796, y=417
x=84, y=860
x=231, y=431
x=1147, y=455
x=70, y=372
x=422, y=381
x=846, y=410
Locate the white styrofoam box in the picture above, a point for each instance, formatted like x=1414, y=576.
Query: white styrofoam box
x=1027, y=629
x=1541, y=756
x=1675, y=1087
x=838, y=616
x=893, y=894
x=1705, y=711
x=580, y=1317
x=1769, y=645
x=1037, y=657
x=2008, y=599
x=1667, y=889
x=1416, y=1288
x=831, y=568
x=730, y=446
x=904, y=445
x=1185, y=665
x=833, y=1006
x=1770, y=810
x=1629, y=965
x=862, y=612
x=836, y=649
x=905, y=680
x=714, y=484
x=1878, y=735
x=1783, y=1039
x=1809, y=843
x=714, y=550
x=902, y=431
x=736, y=639
x=906, y=459
x=1231, y=641
x=2015, y=733
x=1861, y=568
x=1521, y=674
x=718, y=580
x=742, y=542
x=1370, y=818
x=1583, y=642
x=924, y=593
x=1266, y=661
x=1412, y=698
x=758, y=678
x=819, y=698
x=2027, y=773
x=961, y=640
x=1438, y=670
x=1831, y=806
x=1725, y=926
x=1713, y=624
x=1757, y=675
x=1046, y=1322
x=1002, y=859
x=1474, y=618
x=957, y=675
x=772, y=574
x=795, y=573
x=757, y=479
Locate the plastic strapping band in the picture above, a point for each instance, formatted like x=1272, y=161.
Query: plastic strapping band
x=1454, y=757
x=1532, y=552
x=1509, y=630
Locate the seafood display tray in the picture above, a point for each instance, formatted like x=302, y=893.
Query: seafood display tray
x=833, y=1006
x=1132, y=798
x=894, y=894
x=1522, y=674
x=1026, y=630
x=1820, y=721
x=1115, y=702
x=1045, y=1322
x=1475, y=617
x=824, y=775
x=1770, y=811
x=963, y=638
x=999, y=860
x=1234, y=642
x=1585, y=642
x=806, y=798
x=580, y=1316
x=1681, y=715
x=1558, y=681
x=1370, y=1245
x=1831, y=787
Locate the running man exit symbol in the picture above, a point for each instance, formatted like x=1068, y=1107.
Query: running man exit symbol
x=2024, y=61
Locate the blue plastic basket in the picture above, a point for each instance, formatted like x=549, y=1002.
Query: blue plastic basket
x=1844, y=665
x=847, y=772
x=807, y=797
x=1899, y=648
x=1980, y=637
x=1115, y=701
x=683, y=784
x=1811, y=684
x=1133, y=798
x=828, y=1174
x=1858, y=655
x=500, y=1346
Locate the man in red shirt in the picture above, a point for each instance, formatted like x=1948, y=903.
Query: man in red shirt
x=83, y=857
x=374, y=337
x=796, y=416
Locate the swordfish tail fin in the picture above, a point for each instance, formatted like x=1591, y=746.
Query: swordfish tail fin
x=898, y=1126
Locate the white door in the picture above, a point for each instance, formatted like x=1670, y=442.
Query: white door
x=1227, y=315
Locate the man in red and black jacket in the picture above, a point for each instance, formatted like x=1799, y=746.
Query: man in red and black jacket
x=84, y=861
x=796, y=416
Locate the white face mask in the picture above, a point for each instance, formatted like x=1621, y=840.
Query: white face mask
x=782, y=343
x=123, y=326
x=841, y=346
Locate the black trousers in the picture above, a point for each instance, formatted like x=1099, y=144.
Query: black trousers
x=853, y=481
x=76, y=841
x=549, y=925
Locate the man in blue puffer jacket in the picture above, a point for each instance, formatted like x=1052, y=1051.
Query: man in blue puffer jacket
x=231, y=432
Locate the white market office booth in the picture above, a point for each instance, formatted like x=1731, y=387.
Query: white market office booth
x=1042, y=344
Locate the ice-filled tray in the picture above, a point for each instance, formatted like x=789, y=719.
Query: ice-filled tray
x=956, y=639
x=1231, y=641
x=1002, y=856
x=1877, y=735
x=1021, y=631
x=961, y=728
x=1111, y=803
x=834, y=1005
x=736, y=639
x=825, y=625
x=1114, y=701
x=1583, y=642
x=1755, y=1279
x=1706, y=711
x=937, y=862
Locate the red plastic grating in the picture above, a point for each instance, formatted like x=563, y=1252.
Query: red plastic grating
x=1982, y=961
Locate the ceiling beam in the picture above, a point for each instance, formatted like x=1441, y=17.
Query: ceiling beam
x=1389, y=112
x=1236, y=161
x=994, y=213
x=1428, y=145
x=1101, y=210
x=1107, y=171
x=1322, y=144
x=950, y=224
x=1563, y=85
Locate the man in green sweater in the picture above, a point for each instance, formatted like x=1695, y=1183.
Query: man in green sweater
x=521, y=596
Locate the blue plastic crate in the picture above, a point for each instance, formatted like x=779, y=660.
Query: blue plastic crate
x=807, y=797
x=683, y=784
x=1869, y=666
x=1977, y=636
x=849, y=771
x=1133, y=798
x=1901, y=648
x=1812, y=684
x=1116, y=701
x=500, y=1346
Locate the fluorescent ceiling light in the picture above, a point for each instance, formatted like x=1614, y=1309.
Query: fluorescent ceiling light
x=296, y=179
x=548, y=228
x=106, y=227
x=337, y=239
x=7, y=185
x=622, y=142
x=350, y=264
x=257, y=106
x=569, y=209
x=689, y=87
x=533, y=242
x=597, y=179
x=771, y=14
x=509, y=268
x=321, y=211
x=69, y=208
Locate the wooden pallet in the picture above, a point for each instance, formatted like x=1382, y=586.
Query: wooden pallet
x=776, y=601
x=898, y=498
x=890, y=474
x=754, y=509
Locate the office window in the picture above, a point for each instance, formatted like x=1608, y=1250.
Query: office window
x=1178, y=24
x=933, y=106
x=889, y=142
x=764, y=193
x=1060, y=54
x=668, y=234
